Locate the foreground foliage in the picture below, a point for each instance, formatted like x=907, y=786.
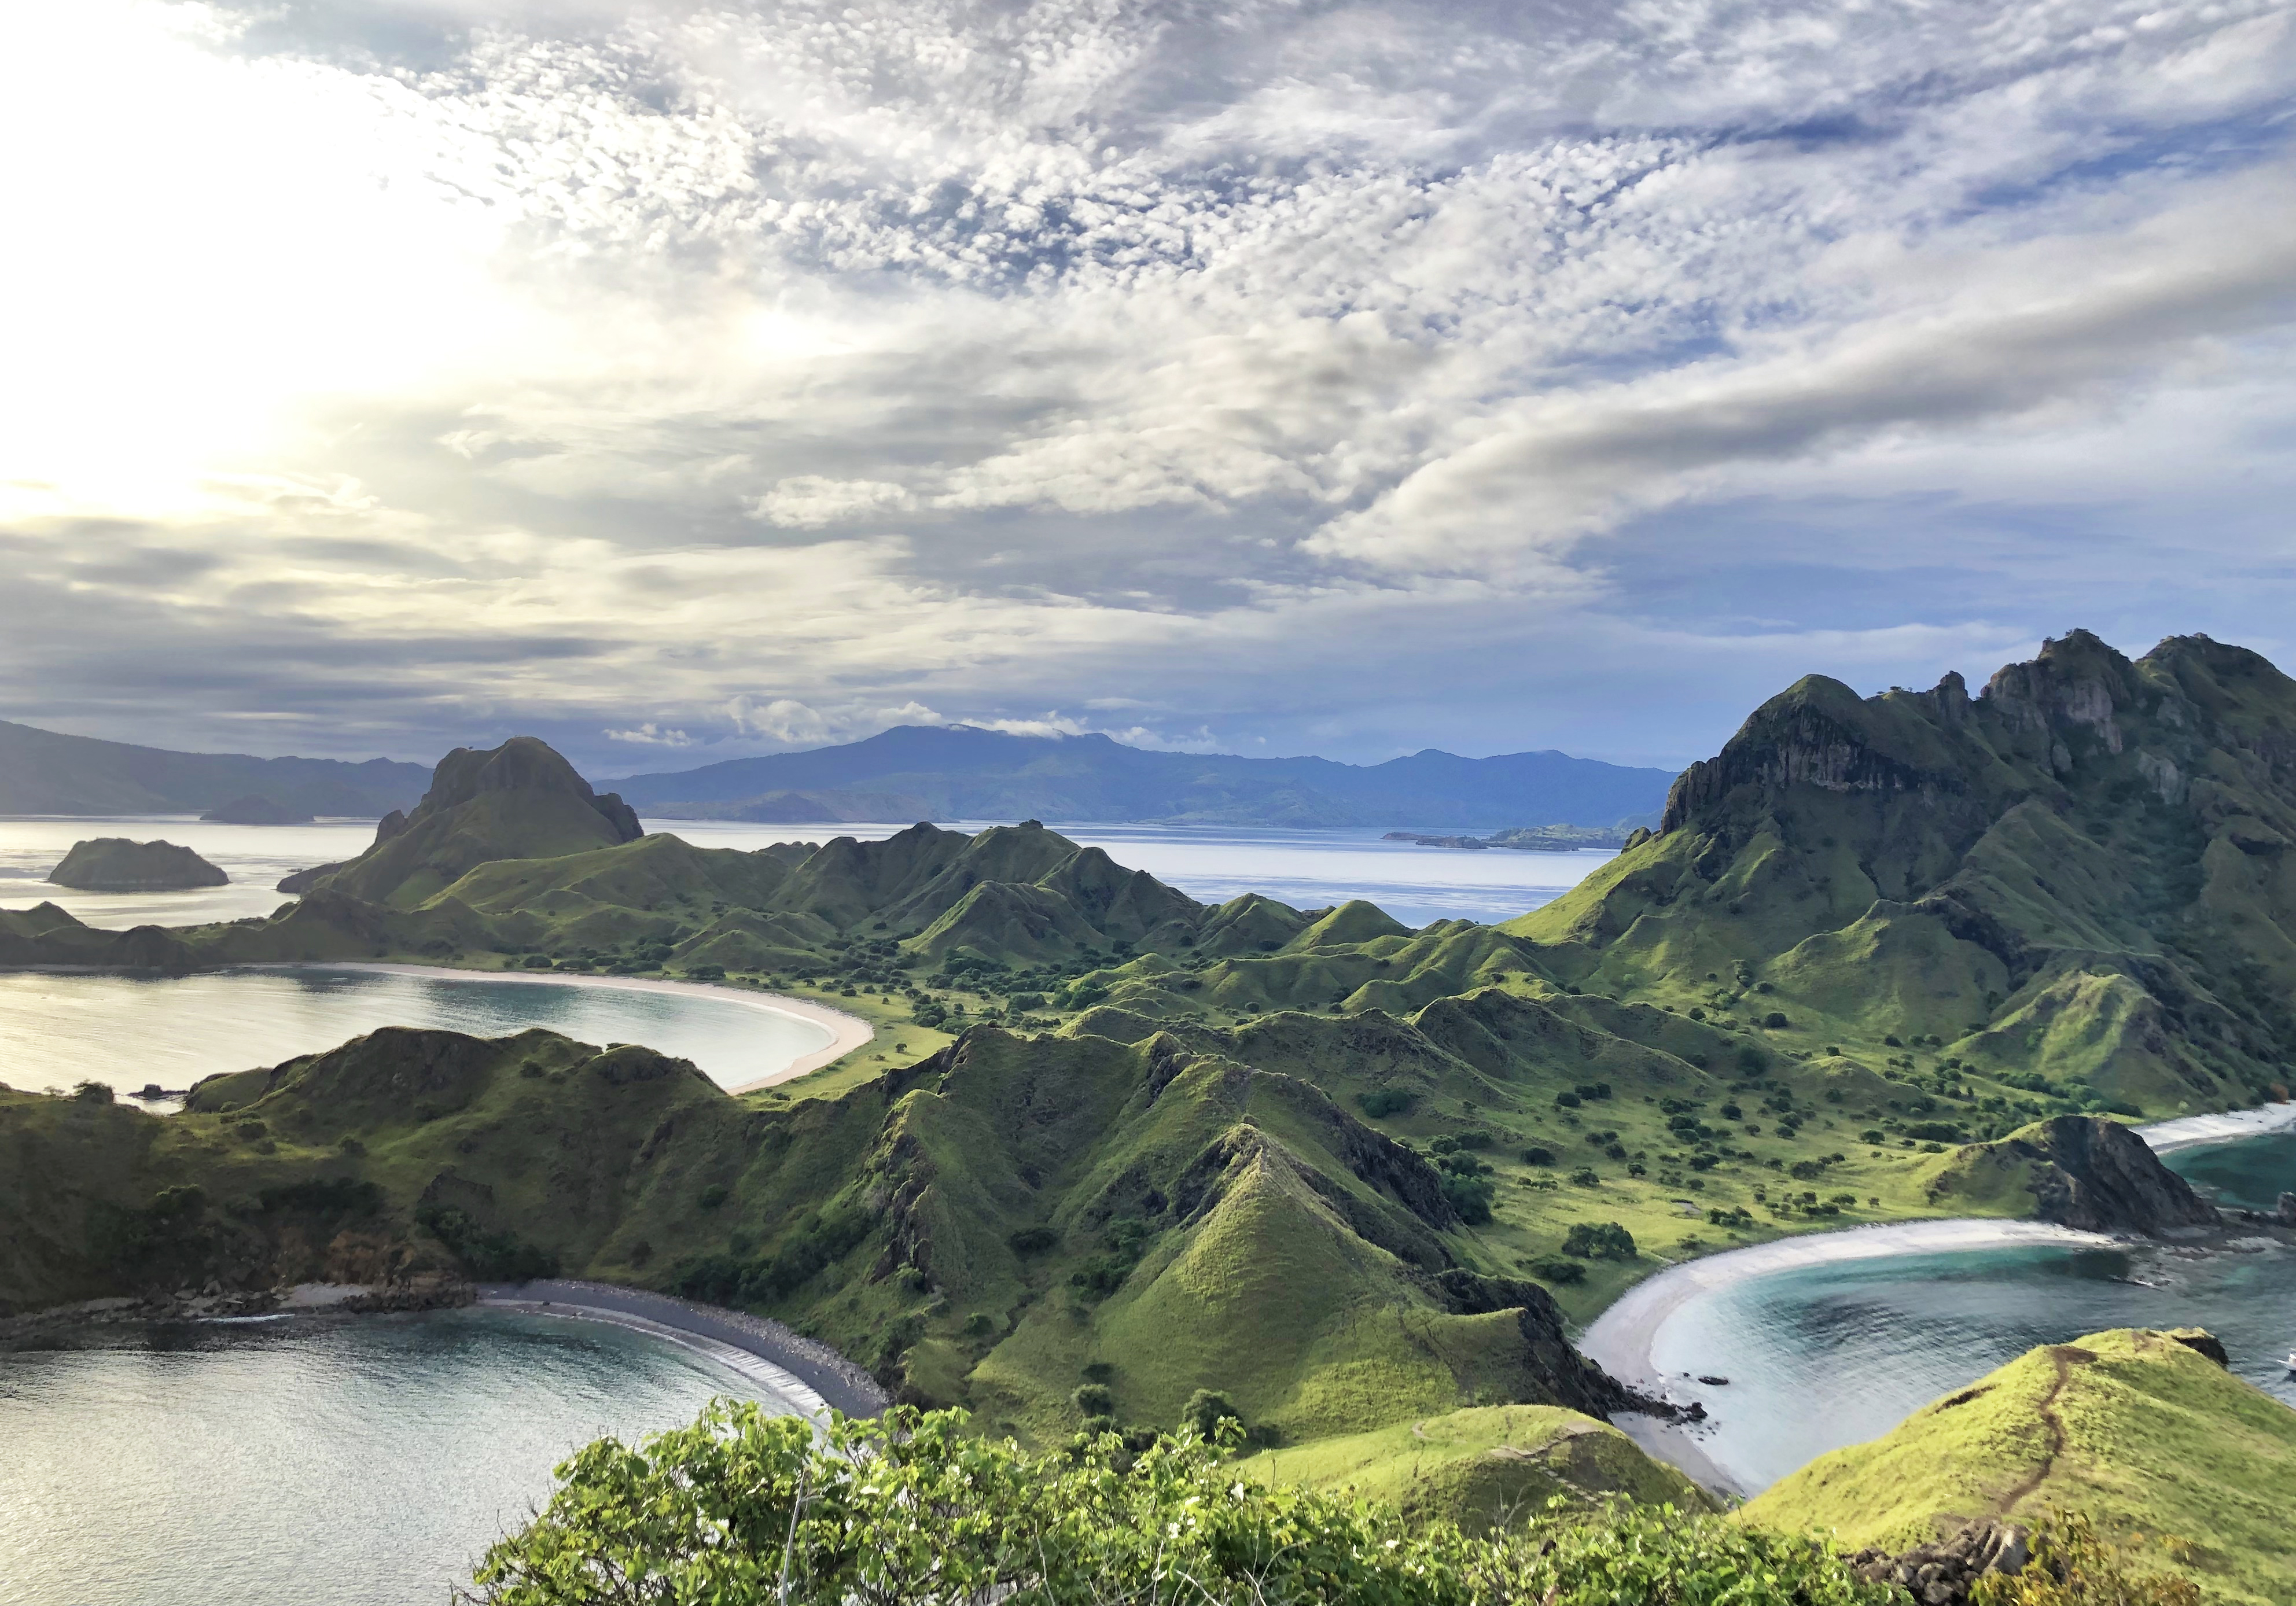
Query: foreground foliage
x=745, y=1507
x=2073, y=1565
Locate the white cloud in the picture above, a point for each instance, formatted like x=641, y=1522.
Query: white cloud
x=772, y=374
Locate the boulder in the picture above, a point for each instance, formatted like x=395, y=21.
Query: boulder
x=1946, y=1571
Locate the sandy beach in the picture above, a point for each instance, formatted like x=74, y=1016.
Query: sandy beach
x=2190, y=1131
x=847, y=1032
x=812, y=1378
x=1623, y=1337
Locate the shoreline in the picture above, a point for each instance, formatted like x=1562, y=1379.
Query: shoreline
x=847, y=1032
x=1621, y=1340
x=2193, y=1130
x=804, y=1371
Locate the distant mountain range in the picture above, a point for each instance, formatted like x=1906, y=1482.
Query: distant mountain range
x=964, y=772
x=45, y=773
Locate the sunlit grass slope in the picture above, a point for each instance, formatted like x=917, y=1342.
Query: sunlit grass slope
x=2137, y=1430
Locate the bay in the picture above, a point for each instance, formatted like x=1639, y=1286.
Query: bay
x=57, y=1029
x=354, y=1460
x=1825, y=1356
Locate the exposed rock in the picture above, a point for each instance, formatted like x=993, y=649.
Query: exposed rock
x=2202, y=1341
x=2099, y=1177
x=1945, y=1573
x=255, y=810
x=115, y=864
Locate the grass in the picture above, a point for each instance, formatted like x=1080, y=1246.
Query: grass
x=1483, y=1467
x=2144, y=1436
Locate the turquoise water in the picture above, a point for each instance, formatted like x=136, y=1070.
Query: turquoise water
x=323, y=1462
x=131, y=1030
x=1826, y=1355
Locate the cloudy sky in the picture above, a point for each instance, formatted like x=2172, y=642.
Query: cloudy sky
x=690, y=380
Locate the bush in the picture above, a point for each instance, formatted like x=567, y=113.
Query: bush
x=1774, y=1021
x=1206, y=1410
x=1536, y=1156
x=1599, y=1240
x=1470, y=1196
x=1382, y=1102
x=1567, y=1101
x=1586, y=1178
x=1556, y=1268
x=1752, y=1061
x=910, y=1508
x=2072, y=1566
x=489, y=1257
x=712, y=1196
x=1093, y=1400
x=1033, y=1240
x=706, y=972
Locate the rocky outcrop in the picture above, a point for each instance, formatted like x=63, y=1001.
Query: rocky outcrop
x=1946, y=1572
x=2099, y=1177
x=115, y=864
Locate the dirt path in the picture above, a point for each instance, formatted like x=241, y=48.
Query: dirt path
x=2066, y=1356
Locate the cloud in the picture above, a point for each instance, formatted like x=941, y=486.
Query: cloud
x=1358, y=377
x=650, y=735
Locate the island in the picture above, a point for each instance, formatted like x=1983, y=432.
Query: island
x=256, y=809
x=115, y=864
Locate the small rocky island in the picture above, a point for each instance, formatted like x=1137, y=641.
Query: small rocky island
x=255, y=810
x=115, y=864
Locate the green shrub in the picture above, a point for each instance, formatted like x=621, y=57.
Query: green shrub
x=93, y=1093
x=744, y=1507
x=1599, y=1240
x=1206, y=1410
x=1093, y=1400
x=1556, y=1268
x=1470, y=1195
x=1382, y=1102
x=1537, y=1156
x=489, y=1257
x=712, y=1196
x=1033, y=1240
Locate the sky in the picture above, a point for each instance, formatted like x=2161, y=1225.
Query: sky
x=685, y=381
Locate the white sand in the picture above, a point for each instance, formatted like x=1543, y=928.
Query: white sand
x=1622, y=1337
x=847, y=1032
x=2189, y=1131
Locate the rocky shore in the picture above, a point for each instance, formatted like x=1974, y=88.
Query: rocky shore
x=212, y=1300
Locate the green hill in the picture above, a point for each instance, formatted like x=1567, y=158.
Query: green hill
x=2140, y=1432
x=116, y=864
x=1484, y=1467
x=2072, y=885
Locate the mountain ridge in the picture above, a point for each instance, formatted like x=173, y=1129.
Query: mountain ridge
x=966, y=772
x=50, y=773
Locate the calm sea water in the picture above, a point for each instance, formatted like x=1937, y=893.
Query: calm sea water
x=344, y=1461
x=130, y=1030
x=1827, y=1355
x=1307, y=869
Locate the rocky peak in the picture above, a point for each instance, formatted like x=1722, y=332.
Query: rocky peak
x=521, y=763
x=2078, y=682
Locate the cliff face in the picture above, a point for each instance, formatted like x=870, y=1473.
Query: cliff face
x=2083, y=873
x=2093, y=1174
x=115, y=864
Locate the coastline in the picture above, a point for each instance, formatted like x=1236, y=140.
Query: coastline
x=2193, y=1131
x=1621, y=1340
x=847, y=1032
x=811, y=1376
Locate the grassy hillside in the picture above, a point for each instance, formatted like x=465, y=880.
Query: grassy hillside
x=2142, y=1433
x=2076, y=885
x=1487, y=1466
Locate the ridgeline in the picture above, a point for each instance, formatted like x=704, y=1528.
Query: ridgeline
x=1887, y=958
